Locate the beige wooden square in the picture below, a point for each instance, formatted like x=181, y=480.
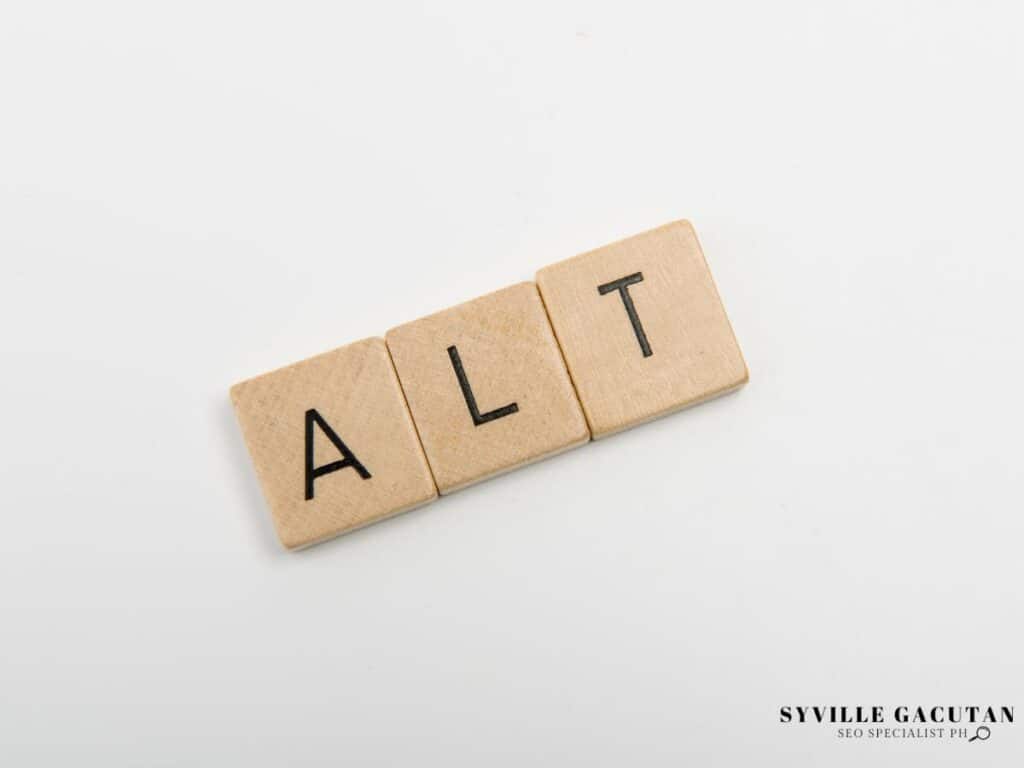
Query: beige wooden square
x=642, y=328
x=333, y=443
x=487, y=386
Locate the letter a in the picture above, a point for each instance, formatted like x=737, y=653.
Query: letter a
x=312, y=471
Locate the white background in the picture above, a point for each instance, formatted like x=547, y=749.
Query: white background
x=196, y=193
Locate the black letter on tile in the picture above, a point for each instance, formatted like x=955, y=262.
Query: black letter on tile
x=467, y=392
x=313, y=472
x=622, y=286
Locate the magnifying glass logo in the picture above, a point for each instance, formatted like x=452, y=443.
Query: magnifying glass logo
x=982, y=733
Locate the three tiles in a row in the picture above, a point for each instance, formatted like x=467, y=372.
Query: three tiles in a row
x=601, y=342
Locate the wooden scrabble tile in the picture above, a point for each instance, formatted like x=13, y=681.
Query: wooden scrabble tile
x=487, y=386
x=642, y=328
x=333, y=443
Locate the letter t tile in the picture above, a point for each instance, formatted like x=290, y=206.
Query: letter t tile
x=642, y=328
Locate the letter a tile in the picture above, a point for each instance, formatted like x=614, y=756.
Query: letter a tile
x=642, y=328
x=333, y=443
x=487, y=386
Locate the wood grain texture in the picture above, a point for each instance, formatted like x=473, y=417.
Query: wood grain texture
x=682, y=353
x=355, y=391
x=509, y=357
